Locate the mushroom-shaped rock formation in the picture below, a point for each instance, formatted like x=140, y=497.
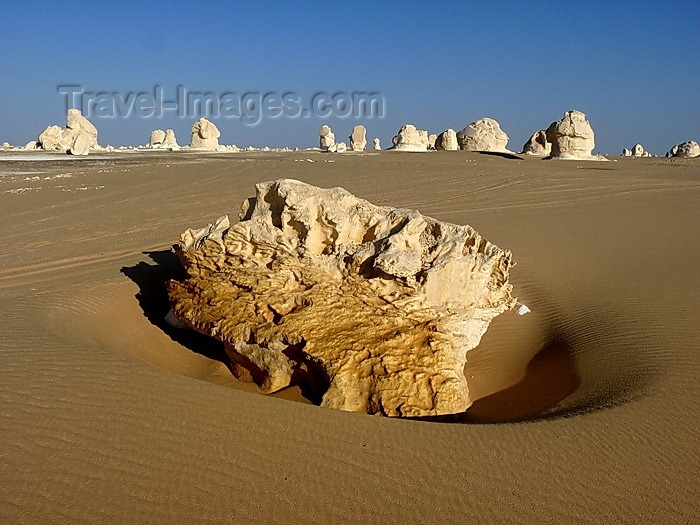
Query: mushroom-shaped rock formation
x=687, y=149
x=374, y=308
x=205, y=135
x=411, y=139
x=572, y=137
x=538, y=145
x=447, y=141
x=326, y=138
x=358, y=138
x=483, y=135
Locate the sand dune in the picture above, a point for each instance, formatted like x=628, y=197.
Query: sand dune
x=587, y=408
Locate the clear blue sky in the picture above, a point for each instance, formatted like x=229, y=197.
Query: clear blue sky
x=632, y=67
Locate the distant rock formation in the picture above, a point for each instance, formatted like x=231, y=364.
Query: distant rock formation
x=338, y=147
x=572, y=138
x=538, y=144
x=411, y=139
x=358, y=138
x=636, y=151
x=689, y=149
x=205, y=135
x=78, y=129
x=432, y=138
x=483, y=135
x=374, y=308
x=6, y=145
x=377, y=144
x=447, y=141
x=160, y=139
x=326, y=138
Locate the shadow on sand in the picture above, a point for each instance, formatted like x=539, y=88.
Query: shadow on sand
x=558, y=382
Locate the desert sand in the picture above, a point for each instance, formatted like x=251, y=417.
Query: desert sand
x=586, y=411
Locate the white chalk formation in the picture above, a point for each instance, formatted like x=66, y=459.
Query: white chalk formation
x=160, y=139
x=374, y=308
x=377, y=144
x=538, y=145
x=358, y=138
x=572, y=138
x=483, y=135
x=432, y=138
x=689, y=149
x=79, y=136
x=326, y=138
x=411, y=139
x=205, y=135
x=636, y=151
x=447, y=141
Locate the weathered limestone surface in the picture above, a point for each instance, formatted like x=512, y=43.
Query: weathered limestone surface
x=447, y=141
x=78, y=129
x=411, y=139
x=205, y=135
x=373, y=307
x=538, y=144
x=358, y=138
x=687, y=149
x=572, y=137
x=483, y=135
x=326, y=138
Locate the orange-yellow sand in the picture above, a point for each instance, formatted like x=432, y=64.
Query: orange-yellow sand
x=587, y=408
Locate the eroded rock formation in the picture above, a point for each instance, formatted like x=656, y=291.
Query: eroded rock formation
x=205, y=135
x=538, y=144
x=411, y=139
x=483, y=135
x=377, y=144
x=358, y=138
x=687, y=149
x=160, y=139
x=78, y=137
x=326, y=138
x=447, y=141
x=572, y=137
x=373, y=307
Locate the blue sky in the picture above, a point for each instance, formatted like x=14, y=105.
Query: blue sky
x=632, y=67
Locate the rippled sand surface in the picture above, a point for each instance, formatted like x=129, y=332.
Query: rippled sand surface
x=586, y=411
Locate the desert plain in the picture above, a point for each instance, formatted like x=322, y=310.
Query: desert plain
x=586, y=409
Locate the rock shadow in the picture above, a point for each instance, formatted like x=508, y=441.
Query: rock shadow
x=153, y=300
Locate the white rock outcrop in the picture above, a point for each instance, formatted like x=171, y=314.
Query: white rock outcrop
x=411, y=139
x=160, y=139
x=205, y=135
x=377, y=144
x=432, y=138
x=483, y=135
x=78, y=129
x=626, y=152
x=572, y=138
x=447, y=141
x=689, y=149
x=326, y=138
x=373, y=308
x=538, y=145
x=358, y=138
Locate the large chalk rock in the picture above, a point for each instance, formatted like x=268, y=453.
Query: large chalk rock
x=447, y=141
x=170, y=141
x=326, y=138
x=205, y=135
x=377, y=144
x=572, y=137
x=81, y=145
x=483, y=135
x=538, y=144
x=53, y=138
x=50, y=138
x=687, y=149
x=358, y=138
x=374, y=308
x=156, y=138
x=411, y=139
x=432, y=139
